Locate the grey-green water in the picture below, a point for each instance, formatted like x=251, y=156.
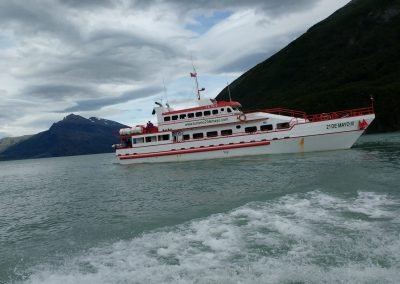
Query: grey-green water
x=313, y=218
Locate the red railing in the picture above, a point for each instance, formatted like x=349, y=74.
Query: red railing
x=321, y=116
x=340, y=114
x=287, y=112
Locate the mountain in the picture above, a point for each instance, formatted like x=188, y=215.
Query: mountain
x=74, y=135
x=9, y=141
x=337, y=64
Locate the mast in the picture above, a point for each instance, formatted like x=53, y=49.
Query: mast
x=194, y=74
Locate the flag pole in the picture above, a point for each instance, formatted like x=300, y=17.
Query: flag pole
x=194, y=74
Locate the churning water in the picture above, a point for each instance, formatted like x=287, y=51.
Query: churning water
x=314, y=218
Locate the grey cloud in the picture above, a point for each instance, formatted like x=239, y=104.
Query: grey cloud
x=27, y=18
x=95, y=104
x=270, y=7
x=59, y=92
x=90, y=4
x=111, y=57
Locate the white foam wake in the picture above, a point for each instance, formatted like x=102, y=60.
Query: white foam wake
x=311, y=238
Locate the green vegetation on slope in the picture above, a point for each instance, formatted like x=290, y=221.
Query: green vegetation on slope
x=337, y=64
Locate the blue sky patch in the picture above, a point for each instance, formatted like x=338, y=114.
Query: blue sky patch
x=205, y=22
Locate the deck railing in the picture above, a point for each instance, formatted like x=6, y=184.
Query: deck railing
x=340, y=114
x=321, y=116
x=286, y=112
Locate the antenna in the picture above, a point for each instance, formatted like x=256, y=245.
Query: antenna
x=165, y=91
x=194, y=74
x=229, y=91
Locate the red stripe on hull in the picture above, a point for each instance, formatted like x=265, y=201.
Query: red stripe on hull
x=197, y=150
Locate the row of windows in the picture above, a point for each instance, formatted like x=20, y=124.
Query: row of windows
x=150, y=139
x=210, y=134
x=199, y=113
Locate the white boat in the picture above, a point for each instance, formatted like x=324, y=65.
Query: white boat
x=220, y=129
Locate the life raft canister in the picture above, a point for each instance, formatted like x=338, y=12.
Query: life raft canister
x=362, y=124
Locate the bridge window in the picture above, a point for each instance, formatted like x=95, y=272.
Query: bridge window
x=167, y=118
x=186, y=136
x=212, y=134
x=182, y=116
x=199, y=113
x=282, y=125
x=190, y=115
x=250, y=129
x=174, y=117
x=229, y=109
x=226, y=132
x=207, y=113
x=215, y=111
x=198, y=135
x=267, y=127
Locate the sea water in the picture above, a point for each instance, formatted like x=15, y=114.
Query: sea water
x=327, y=217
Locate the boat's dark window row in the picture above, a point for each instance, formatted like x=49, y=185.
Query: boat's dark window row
x=226, y=132
x=150, y=139
x=283, y=125
x=200, y=113
x=209, y=134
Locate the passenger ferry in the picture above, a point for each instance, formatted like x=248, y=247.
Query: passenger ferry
x=220, y=129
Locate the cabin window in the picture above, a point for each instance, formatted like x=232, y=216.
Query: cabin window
x=207, y=113
x=282, y=125
x=138, y=140
x=238, y=126
x=174, y=117
x=190, y=115
x=250, y=129
x=267, y=127
x=150, y=139
x=215, y=111
x=164, y=137
x=127, y=142
x=182, y=116
x=199, y=113
x=186, y=136
x=222, y=109
x=229, y=109
x=212, y=134
x=226, y=132
x=167, y=118
x=198, y=135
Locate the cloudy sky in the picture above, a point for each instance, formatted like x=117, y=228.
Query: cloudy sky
x=112, y=58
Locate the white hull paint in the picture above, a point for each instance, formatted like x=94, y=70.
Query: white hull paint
x=333, y=134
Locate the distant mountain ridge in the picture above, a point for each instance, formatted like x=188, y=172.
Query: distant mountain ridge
x=337, y=64
x=74, y=135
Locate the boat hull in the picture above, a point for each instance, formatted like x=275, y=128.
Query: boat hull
x=326, y=135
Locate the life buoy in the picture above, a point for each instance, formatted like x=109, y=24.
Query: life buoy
x=362, y=124
x=242, y=117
